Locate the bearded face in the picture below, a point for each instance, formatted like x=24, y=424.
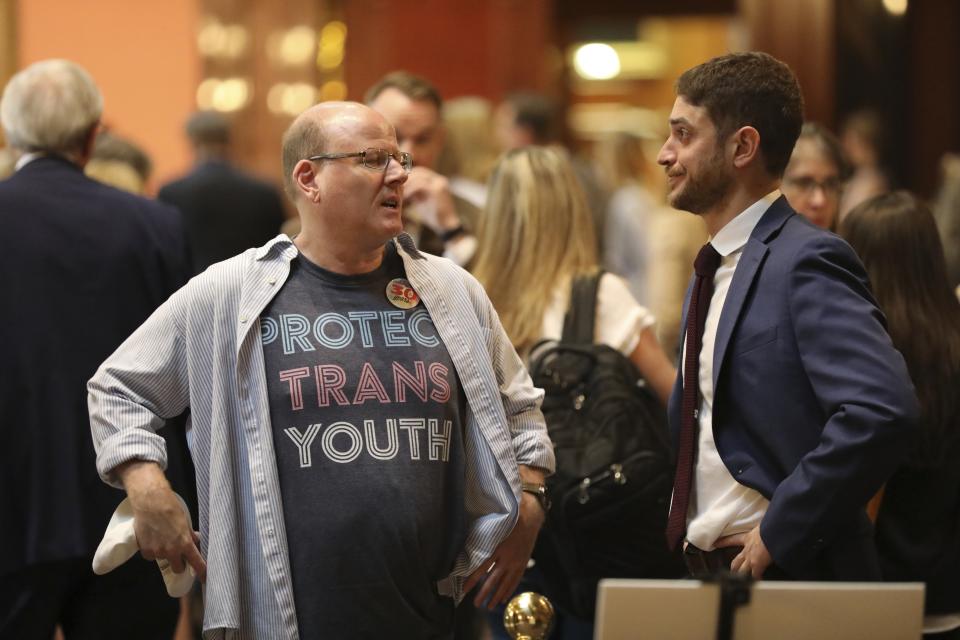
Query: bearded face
x=703, y=186
x=698, y=176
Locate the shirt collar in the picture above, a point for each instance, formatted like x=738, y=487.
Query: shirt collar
x=283, y=243
x=735, y=233
x=27, y=158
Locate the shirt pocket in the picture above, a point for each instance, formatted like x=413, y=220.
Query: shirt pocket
x=755, y=341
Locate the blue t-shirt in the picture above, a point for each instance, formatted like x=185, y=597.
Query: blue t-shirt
x=367, y=417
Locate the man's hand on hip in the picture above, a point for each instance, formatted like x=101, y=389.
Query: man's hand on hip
x=501, y=573
x=158, y=519
x=754, y=559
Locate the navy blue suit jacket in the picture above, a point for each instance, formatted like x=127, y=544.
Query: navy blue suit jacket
x=81, y=265
x=813, y=407
x=225, y=211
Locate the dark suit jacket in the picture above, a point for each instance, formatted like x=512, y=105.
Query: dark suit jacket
x=82, y=265
x=224, y=211
x=813, y=407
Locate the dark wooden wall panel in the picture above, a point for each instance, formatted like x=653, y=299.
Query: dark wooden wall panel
x=933, y=103
x=802, y=34
x=470, y=47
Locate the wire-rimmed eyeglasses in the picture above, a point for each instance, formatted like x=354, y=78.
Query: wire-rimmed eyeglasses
x=376, y=159
x=806, y=185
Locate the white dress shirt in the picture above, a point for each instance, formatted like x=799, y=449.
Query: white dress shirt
x=721, y=506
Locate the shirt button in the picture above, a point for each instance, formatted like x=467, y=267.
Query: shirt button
x=271, y=281
x=243, y=319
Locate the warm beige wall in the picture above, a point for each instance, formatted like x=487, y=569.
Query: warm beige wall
x=143, y=56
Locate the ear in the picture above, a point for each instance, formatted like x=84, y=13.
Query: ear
x=746, y=143
x=305, y=180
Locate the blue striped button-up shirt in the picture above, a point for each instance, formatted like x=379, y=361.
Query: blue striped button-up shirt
x=202, y=349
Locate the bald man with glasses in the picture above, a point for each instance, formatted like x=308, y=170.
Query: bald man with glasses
x=368, y=444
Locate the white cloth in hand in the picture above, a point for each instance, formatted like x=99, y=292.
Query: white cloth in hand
x=119, y=544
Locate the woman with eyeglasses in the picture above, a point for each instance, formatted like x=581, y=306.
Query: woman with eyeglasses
x=815, y=176
x=918, y=524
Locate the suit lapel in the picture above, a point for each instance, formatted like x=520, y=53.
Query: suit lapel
x=748, y=268
x=686, y=308
x=673, y=404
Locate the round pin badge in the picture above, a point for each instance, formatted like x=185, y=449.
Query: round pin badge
x=401, y=294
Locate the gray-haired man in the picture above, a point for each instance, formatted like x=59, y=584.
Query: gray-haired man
x=82, y=265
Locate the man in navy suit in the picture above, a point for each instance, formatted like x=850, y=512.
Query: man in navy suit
x=800, y=407
x=225, y=211
x=82, y=265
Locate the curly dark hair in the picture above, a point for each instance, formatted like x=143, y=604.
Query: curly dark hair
x=749, y=89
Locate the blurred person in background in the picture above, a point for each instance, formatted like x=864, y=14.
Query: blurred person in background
x=8, y=161
x=225, y=210
x=83, y=264
x=918, y=524
x=814, y=178
x=471, y=151
x=440, y=221
x=674, y=243
x=535, y=239
x=646, y=242
x=630, y=209
x=119, y=163
x=946, y=210
x=528, y=118
x=862, y=138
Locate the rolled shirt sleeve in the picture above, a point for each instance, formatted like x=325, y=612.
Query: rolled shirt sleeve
x=143, y=383
x=521, y=399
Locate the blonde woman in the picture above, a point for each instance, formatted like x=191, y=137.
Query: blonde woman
x=535, y=237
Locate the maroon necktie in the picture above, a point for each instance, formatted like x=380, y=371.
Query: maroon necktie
x=705, y=266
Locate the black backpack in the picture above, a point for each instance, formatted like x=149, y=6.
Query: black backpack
x=611, y=490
